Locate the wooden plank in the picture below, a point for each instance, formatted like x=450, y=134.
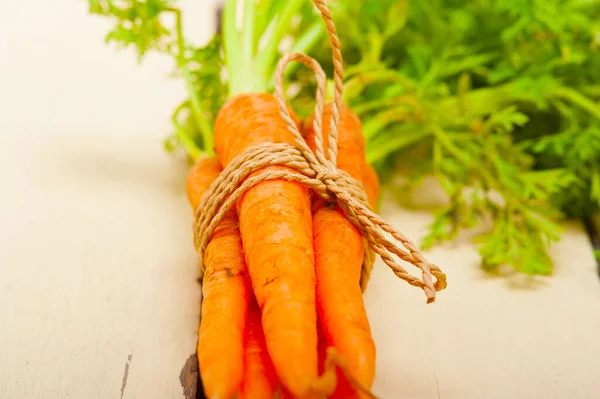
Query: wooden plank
x=487, y=337
x=99, y=297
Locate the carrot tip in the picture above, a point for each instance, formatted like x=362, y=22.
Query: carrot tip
x=329, y=378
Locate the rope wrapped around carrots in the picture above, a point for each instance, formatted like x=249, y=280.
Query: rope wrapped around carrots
x=320, y=174
x=267, y=171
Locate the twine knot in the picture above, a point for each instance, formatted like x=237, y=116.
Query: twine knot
x=336, y=181
x=328, y=176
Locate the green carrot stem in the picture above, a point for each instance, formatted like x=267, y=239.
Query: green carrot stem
x=592, y=91
x=266, y=59
x=401, y=139
x=192, y=149
x=578, y=99
x=248, y=31
x=199, y=114
x=184, y=138
x=304, y=44
x=232, y=48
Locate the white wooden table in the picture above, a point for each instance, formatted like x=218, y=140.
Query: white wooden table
x=98, y=297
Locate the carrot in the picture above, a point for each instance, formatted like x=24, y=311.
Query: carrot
x=225, y=291
x=350, y=142
x=338, y=258
x=276, y=229
x=321, y=347
x=260, y=380
x=371, y=183
x=339, y=254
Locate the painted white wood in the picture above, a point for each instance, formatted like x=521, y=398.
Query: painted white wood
x=97, y=268
x=487, y=337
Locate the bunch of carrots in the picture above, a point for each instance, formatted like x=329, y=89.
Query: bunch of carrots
x=283, y=313
x=282, y=270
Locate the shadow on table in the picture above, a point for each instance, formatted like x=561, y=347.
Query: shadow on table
x=121, y=162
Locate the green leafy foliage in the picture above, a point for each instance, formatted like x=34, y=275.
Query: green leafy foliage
x=138, y=23
x=497, y=99
x=204, y=69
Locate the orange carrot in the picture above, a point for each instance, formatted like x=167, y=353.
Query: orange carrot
x=321, y=347
x=260, y=380
x=226, y=290
x=371, y=183
x=276, y=228
x=339, y=249
x=350, y=142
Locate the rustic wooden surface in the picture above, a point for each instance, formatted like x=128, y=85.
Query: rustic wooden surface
x=98, y=297
x=487, y=337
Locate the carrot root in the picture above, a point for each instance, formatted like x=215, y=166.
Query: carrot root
x=339, y=254
x=225, y=291
x=260, y=380
x=276, y=229
x=334, y=361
